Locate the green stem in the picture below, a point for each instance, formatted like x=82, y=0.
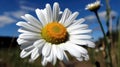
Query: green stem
x=101, y=26
x=108, y=57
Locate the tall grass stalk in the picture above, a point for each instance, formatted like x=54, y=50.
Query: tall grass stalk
x=118, y=44
x=107, y=49
x=109, y=24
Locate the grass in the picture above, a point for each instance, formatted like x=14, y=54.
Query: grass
x=11, y=58
x=118, y=51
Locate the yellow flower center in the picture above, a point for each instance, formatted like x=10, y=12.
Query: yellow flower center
x=54, y=33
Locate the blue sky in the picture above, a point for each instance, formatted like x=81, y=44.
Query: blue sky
x=11, y=10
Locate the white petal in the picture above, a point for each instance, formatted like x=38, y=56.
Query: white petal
x=73, y=51
x=80, y=31
x=24, y=53
x=45, y=14
x=33, y=21
x=34, y=54
x=24, y=46
x=70, y=19
x=29, y=21
x=28, y=26
x=44, y=61
x=61, y=46
x=59, y=53
x=83, y=42
x=46, y=49
x=30, y=36
x=65, y=15
x=81, y=36
x=50, y=57
x=86, y=57
x=39, y=43
x=91, y=44
x=79, y=58
x=23, y=17
x=40, y=49
x=54, y=54
x=79, y=48
x=65, y=58
x=23, y=30
x=56, y=11
x=22, y=41
x=41, y=17
x=79, y=42
x=29, y=48
x=49, y=13
x=60, y=16
x=79, y=21
x=76, y=27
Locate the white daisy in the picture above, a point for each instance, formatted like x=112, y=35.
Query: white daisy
x=93, y=6
x=54, y=33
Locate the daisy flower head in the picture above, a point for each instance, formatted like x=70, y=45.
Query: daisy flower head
x=93, y=6
x=54, y=33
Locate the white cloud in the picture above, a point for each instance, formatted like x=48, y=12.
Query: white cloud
x=18, y=14
x=102, y=16
x=10, y=17
x=15, y=14
x=5, y=20
x=22, y=1
x=23, y=7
